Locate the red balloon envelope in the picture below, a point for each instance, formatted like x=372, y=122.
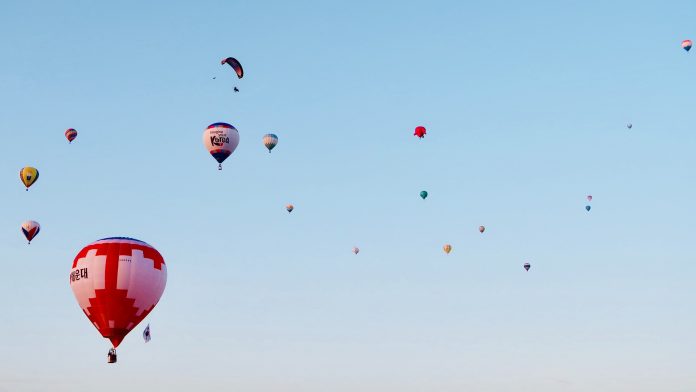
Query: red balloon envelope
x=117, y=282
x=420, y=132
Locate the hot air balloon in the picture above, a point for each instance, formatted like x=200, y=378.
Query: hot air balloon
x=289, y=208
x=28, y=175
x=589, y=197
x=236, y=66
x=447, y=248
x=482, y=229
x=146, y=334
x=629, y=125
x=356, y=250
x=70, y=134
x=117, y=282
x=423, y=195
x=30, y=229
x=527, y=266
x=686, y=44
x=420, y=132
x=270, y=140
x=588, y=208
x=220, y=139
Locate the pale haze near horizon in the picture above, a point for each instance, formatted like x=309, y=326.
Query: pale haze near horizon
x=526, y=107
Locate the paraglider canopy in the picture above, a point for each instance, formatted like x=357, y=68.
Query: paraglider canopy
x=236, y=66
x=420, y=132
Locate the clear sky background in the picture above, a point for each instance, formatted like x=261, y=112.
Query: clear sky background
x=526, y=107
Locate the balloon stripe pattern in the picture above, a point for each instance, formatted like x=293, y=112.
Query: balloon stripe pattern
x=686, y=44
x=117, y=282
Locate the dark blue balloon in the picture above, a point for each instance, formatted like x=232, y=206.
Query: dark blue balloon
x=588, y=208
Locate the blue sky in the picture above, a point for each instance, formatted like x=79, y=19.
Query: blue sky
x=526, y=107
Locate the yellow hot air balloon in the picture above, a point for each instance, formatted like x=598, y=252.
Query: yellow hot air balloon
x=28, y=175
x=447, y=248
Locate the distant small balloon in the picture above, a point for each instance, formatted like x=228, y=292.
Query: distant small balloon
x=70, y=134
x=289, y=208
x=270, y=140
x=30, y=229
x=28, y=175
x=423, y=195
x=420, y=132
x=588, y=208
x=356, y=250
x=527, y=266
x=447, y=248
x=482, y=229
x=629, y=125
x=686, y=44
x=589, y=197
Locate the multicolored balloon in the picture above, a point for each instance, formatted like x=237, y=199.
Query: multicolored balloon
x=686, y=44
x=482, y=229
x=70, y=134
x=420, y=132
x=423, y=194
x=527, y=266
x=28, y=175
x=356, y=250
x=589, y=197
x=447, y=248
x=117, y=281
x=236, y=66
x=220, y=139
x=270, y=140
x=289, y=208
x=30, y=229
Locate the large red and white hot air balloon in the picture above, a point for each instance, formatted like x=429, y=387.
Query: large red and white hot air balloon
x=117, y=282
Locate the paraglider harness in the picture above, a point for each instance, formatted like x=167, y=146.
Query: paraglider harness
x=111, y=357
